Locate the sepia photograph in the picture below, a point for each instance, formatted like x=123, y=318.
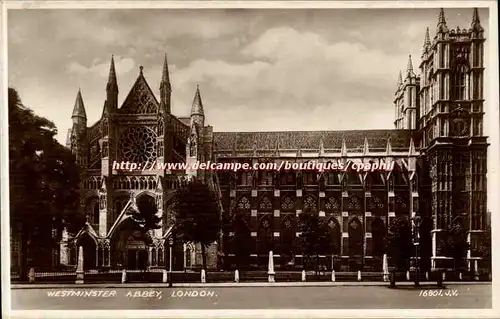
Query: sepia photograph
x=249, y=159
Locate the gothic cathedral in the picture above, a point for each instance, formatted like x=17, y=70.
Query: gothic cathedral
x=439, y=173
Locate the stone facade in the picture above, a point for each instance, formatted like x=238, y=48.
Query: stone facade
x=437, y=150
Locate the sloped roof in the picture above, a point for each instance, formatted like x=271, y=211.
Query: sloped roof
x=304, y=140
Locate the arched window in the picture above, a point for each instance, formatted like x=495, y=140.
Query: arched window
x=288, y=178
x=266, y=177
x=287, y=203
x=459, y=82
x=243, y=203
x=355, y=238
x=378, y=235
x=287, y=237
x=310, y=204
x=335, y=235
x=245, y=178
x=265, y=236
x=95, y=212
x=332, y=204
x=265, y=204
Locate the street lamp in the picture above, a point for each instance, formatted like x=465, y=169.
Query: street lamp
x=417, y=220
x=170, y=245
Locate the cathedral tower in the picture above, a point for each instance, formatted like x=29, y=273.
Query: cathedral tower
x=451, y=121
x=407, y=99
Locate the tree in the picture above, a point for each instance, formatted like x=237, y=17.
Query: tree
x=315, y=239
x=145, y=215
x=399, y=243
x=197, y=215
x=44, y=183
x=455, y=244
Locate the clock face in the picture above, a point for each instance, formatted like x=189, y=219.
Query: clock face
x=138, y=145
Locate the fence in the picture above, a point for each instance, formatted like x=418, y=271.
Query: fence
x=156, y=276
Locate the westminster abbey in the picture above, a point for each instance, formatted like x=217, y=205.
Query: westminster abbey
x=439, y=173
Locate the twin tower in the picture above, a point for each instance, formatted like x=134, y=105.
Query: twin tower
x=451, y=72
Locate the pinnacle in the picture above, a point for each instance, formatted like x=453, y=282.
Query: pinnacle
x=400, y=80
x=476, y=23
x=409, y=67
x=197, y=107
x=112, y=74
x=427, y=40
x=165, y=76
x=442, y=22
x=441, y=19
x=79, y=108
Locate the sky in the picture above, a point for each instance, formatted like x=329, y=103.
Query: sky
x=258, y=69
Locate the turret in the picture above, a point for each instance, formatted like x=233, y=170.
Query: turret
x=165, y=88
x=442, y=28
x=112, y=88
x=79, y=116
x=197, y=113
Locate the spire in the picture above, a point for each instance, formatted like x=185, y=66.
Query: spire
x=441, y=26
x=165, y=87
x=476, y=23
x=197, y=107
x=409, y=68
x=79, y=108
x=400, y=79
x=165, y=78
x=427, y=40
x=112, y=75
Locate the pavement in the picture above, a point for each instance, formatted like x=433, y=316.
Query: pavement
x=239, y=284
x=342, y=295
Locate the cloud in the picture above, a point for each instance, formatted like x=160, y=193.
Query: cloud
x=293, y=71
x=122, y=66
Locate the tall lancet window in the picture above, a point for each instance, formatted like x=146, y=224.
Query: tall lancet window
x=459, y=85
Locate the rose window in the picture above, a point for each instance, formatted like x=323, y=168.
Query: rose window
x=138, y=145
x=354, y=203
x=376, y=203
x=265, y=204
x=331, y=204
x=287, y=203
x=244, y=203
x=310, y=203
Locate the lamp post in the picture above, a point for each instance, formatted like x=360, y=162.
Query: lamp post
x=417, y=220
x=170, y=245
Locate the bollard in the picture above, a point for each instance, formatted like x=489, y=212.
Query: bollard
x=303, y=275
x=203, y=276
x=359, y=275
x=460, y=275
x=333, y=275
x=236, y=276
x=31, y=275
x=164, y=278
x=124, y=276
x=426, y=275
x=444, y=275
x=407, y=275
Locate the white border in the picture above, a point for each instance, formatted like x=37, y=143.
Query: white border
x=492, y=115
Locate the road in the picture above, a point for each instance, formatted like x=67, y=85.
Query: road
x=327, y=297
